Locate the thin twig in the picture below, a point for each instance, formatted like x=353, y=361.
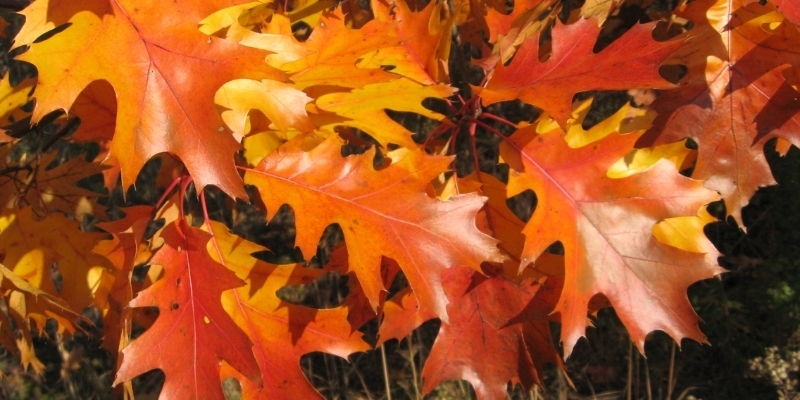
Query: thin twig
x=499, y=119
x=386, y=374
x=671, y=378
x=361, y=379
x=413, y=366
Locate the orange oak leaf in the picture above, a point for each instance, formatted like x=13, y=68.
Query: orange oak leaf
x=31, y=246
x=124, y=254
x=27, y=303
x=425, y=41
x=498, y=332
x=495, y=218
x=192, y=321
x=735, y=96
x=629, y=62
x=382, y=213
x=479, y=20
x=96, y=106
x=359, y=309
x=605, y=227
x=337, y=58
x=125, y=250
x=401, y=315
x=164, y=79
x=530, y=18
x=334, y=50
x=281, y=332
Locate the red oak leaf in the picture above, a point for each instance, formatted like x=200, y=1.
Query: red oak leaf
x=164, y=71
x=629, y=62
x=383, y=213
x=193, y=333
x=281, y=332
x=734, y=97
x=498, y=332
x=605, y=227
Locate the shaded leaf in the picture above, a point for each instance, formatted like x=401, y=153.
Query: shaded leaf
x=605, y=227
x=191, y=322
x=281, y=332
x=735, y=96
x=629, y=62
x=382, y=213
x=498, y=333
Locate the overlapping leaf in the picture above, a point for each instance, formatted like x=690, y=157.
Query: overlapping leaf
x=734, y=97
x=425, y=42
x=382, y=213
x=281, y=332
x=31, y=246
x=629, y=223
x=28, y=303
x=790, y=9
x=506, y=328
x=488, y=20
x=165, y=78
x=191, y=322
x=629, y=62
x=52, y=189
x=340, y=78
x=605, y=226
x=125, y=250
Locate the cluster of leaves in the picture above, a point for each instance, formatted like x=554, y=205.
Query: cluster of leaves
x=229, y=93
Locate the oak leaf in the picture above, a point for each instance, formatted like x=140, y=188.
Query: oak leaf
x=31, y=246
x=365, y=108
x=790, y=9
x=498, y=332
x=192, y=321
x=164, y=80
x=401, y=315
x=12, y=98
x=333, y=51
x=28, y=303
x=284, y=105
x=425, y=42
x=53, y=189
x=383, y=213
x=529, y=19
x=735, y=96
x=605, y=226
x=629, y=62
x=489, y=20
x=495, y=219
x=125, y=250
x=281, y=332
